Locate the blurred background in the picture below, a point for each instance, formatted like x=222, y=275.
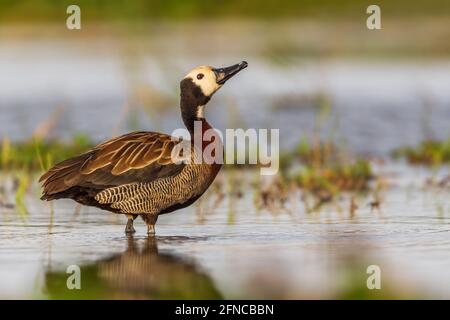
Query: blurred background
x=364, y=130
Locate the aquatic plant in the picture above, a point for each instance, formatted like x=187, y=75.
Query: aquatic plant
x=352, y=176
x=325, y=170
x=429, y=153
x=273, y=196
x=38, y=154
x=22, y=183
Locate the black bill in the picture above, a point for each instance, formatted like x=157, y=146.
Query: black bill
x=223, y=74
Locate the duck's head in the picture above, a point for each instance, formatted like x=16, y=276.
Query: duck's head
x=198, y=86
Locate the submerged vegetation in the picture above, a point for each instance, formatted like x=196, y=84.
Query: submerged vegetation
x=430, y=153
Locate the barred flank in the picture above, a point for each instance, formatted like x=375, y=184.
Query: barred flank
x=159, y=194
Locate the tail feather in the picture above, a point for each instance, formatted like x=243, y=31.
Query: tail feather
x=63, y=176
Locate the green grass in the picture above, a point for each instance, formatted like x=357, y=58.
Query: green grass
x=143, y=10
x=39, y=155
x=353, y=176
x=429, y=153
x=23, y=184
x=326, y=170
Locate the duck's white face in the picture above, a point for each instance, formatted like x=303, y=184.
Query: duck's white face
x=205, y=78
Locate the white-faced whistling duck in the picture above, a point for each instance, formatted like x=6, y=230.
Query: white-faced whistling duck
x=134, y=174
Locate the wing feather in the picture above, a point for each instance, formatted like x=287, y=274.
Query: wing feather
x=130, y=158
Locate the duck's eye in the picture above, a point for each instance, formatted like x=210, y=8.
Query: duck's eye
x=200, y=76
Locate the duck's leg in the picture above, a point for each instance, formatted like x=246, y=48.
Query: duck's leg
x=129, y=229
x=150, y=220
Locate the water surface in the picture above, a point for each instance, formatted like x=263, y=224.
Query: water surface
x=237, y=252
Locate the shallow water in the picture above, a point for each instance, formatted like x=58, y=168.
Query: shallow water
x=259, y=254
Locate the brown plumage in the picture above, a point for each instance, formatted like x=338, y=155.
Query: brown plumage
x=133, y=157
x=135, y=174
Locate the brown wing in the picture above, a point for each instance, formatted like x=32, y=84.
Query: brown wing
x=130, y=158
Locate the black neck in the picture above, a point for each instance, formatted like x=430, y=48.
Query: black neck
x=189, y=116
x=191, y=100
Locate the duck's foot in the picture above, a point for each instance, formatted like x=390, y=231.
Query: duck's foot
x=150, y=221
x=151, y=230
x=129, y=229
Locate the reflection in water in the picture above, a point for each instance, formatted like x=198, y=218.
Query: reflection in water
x=141, y=272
